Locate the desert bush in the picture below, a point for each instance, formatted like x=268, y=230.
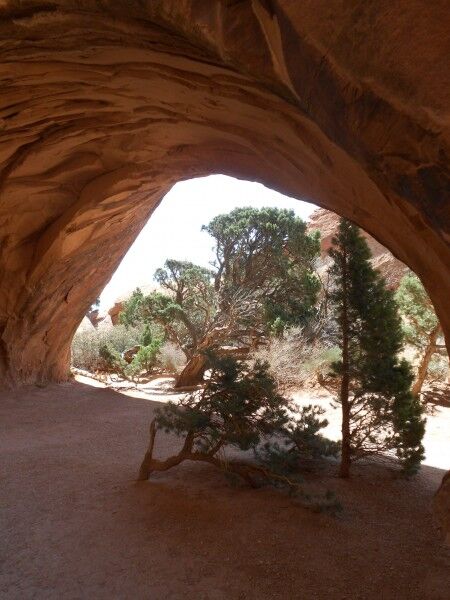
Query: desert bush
x=143, y=361
x=171, y=358
x=438, y=369
x=239, y=407
x=298, y=440
x=319, y=360
x=86, y=344
x=294, y=359
x=110, y=361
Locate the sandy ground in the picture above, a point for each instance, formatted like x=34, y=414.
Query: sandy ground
x=75, y=524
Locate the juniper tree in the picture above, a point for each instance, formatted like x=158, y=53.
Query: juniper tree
x=421, y=326
x=264, y=279
x=238, y=407
x=379, y=412
x=183, y=307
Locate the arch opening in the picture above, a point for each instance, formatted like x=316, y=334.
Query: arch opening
x=174, y=232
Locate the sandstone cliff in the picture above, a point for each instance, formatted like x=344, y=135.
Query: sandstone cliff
x=327, y=223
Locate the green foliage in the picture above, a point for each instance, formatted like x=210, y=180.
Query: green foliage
x=240, y=407
x=319, y=361
x=183, y=310
x=188, y=282
x=299, y=439
x=147, y=335
x=236, y=407
x=304, y=433
x=262, y=281
x=383, y=413
x=110, y=360
x=267, y=250
x=131, y=314
x=422, y=331
x=86, y=344
x=101, y=349
x=417, y=310
x=144, y=360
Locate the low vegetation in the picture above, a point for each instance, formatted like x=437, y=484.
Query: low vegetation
x=87, y=344
x=240, y=407
x=296, y=360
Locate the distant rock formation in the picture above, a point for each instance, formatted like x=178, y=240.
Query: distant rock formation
x=94, y=316
x=327, y=223
x=115, y=311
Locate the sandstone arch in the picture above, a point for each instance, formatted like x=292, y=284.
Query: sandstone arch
x=105, y=105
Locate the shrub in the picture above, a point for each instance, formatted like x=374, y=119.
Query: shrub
x=110, y=361
x=171, y=358
x=438, y=369
x=240, y=407
x=299, y=439
x=144, y=360
x=86, y=344
x=294, y=359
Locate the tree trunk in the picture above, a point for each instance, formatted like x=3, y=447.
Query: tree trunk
x=193, y=372
x=425, y=360
x=344, y=468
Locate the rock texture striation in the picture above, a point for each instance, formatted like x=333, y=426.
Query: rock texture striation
x=327, y=223
x=105, y=105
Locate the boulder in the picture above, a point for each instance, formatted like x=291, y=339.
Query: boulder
x=129, y=354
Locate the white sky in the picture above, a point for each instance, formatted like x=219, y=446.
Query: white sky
x=174, y=229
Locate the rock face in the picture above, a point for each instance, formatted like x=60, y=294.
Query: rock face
x=115, y=311
x=129, y=354
x=327, y=223
x=105, y=105
x=94, y=316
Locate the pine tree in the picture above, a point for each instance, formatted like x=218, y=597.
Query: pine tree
x=379, y=412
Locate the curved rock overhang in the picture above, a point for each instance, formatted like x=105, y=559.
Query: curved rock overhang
x=106, y=104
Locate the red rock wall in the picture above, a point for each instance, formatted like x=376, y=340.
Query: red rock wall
x=327, y=223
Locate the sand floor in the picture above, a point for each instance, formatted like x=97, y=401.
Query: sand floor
x=76, y=525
